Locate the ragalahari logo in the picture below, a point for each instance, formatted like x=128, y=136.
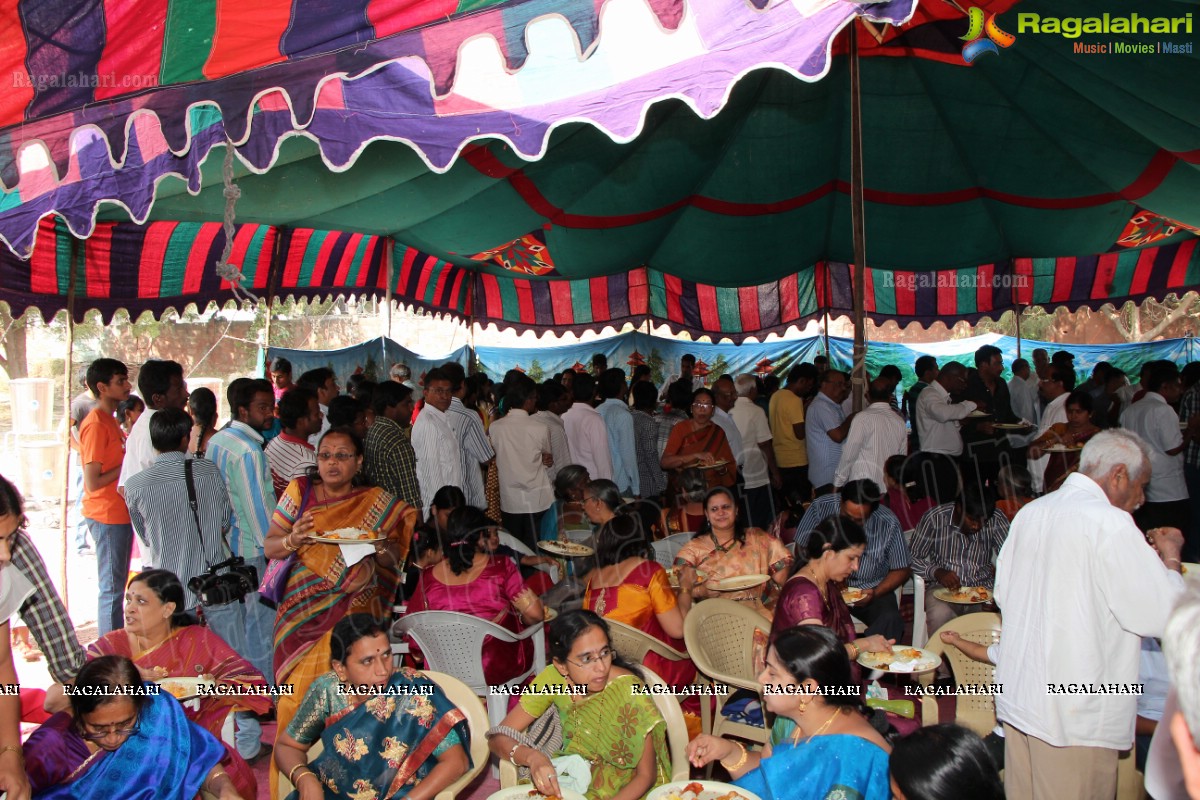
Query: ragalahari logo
x=984, y=36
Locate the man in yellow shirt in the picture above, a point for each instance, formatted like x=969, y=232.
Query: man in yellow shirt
x=787, y=429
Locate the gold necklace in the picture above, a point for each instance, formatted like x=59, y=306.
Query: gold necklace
x=823, y=588
x=796, y=736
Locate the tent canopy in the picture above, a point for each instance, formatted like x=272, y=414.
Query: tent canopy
x=678, y=155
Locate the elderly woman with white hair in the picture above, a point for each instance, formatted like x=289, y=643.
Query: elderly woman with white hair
x=1080, y=586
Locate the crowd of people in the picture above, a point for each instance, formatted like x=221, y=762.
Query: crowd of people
x=1073, y=506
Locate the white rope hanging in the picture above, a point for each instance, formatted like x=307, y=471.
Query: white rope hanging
x=231, y=272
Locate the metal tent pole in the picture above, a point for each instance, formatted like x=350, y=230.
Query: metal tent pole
x=68, y=384
x=858, y=375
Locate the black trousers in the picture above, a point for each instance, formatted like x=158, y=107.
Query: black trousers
x=882, y=616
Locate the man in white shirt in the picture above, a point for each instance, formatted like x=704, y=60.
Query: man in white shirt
x=434, y=441
x=587, y=436
x=474, y=450
x=161, y=385
x=876, y=434
x=1079, y=586
x=758, y=456
x=618, y=421
x=1157, y=423
x=323, y=383
x=553, y=400
x=938, y=429
x=522, y=446
x=724, y=397
x=686, y=364
x=1054, y=389
x=1024, y=398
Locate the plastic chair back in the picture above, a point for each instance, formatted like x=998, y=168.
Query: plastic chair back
x=720, y=640
x=633, y=644
x=666, y=549
x=512, y=542
x=974, y=711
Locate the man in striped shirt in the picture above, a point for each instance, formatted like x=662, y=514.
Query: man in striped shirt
x=884, y=564
x=474, y=450
x=389, y=459
x=290, y=454
x=955, y=545
x=434, y=441
x=618, y=423
x=238, y=453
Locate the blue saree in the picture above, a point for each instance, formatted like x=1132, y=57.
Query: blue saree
x=167, y=759
x=834, y=767
x=383, y=747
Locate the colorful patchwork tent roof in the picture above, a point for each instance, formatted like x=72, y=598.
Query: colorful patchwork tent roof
x=585, y=141
x=167, y=265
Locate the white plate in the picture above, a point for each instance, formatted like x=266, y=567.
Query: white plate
x=548, y=613
x=852, y=596
x=568, y=549
x=525, y=791
x=1190, y=570
x=714, y=465
x=709, y=790
x=340, y=540
x=947, y=596
x=1012, y=426
x=978, y=415
x=738, y=582
x=183, y=688
x=1058, y=448
x=895, y=662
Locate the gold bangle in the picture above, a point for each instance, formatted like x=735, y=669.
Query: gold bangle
x=213, y=778
x=14, y=748
x=310, y=772
x=287, y=543
x=741, y=761
x=292, y=774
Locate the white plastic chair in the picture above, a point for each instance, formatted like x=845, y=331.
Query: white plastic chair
x=666, y=549
x=452, y=642
x=920, y=625
x=512, y=542
x=677, y=734
x=461, y=695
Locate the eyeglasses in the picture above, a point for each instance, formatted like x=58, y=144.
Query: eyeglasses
x=100, y=735
x=335, y=456
x=702, y=405
x=588, y=659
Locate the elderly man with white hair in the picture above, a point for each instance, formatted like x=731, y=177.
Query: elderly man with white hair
x=1079, y=585
x=758, y=456
x=1175, y=773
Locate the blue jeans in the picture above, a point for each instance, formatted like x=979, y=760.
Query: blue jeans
x=229, y=623
x=113, y=545
x=260, y=627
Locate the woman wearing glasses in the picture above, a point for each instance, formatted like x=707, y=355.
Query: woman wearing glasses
x=725, y=548
x=606, y=723
x=120, y=736
x=327, y=583
x=699, y=442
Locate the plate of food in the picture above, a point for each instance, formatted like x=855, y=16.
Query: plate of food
x=901, y=659
x=1062, y=448
x=568, y=549
x=714, y=465
x=348, y=536
x=526, y=792
x=738, y=582
x=964, y=595
x=548, y=613
x=700, y=790
x=1188, y=568
x=978, y=415
x=673, y=576
x=852, y=595
x=183, y=688
x=1012, y=426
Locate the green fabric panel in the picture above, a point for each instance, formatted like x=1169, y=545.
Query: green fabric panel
x=729, y=310
x=806, y=292
x=187, y=40
x=658, y=293
x=175, y=260
x=510, y=309
x=360, y=260
x=885, y=294
x=475, y=5
x=1193, y=269
x=968, y=300
x=9, y=199
x=581, y=301
x=1123, y=275
x=62, y=260
x=1043, y=280
x=309, y=263
x=254, y=253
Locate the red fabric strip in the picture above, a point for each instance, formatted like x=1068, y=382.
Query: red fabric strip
x=406, y=266
x=494, y=308
x=98, y=254
x=598, y=287
x=18, y=92
x=1179, y=267
x=266, y=252
x=393, y=16
x=639, y=292
x=241, y=244
x=423, y=278
x=947, y=295
x=322, y=264
x=868, y=290
x=198, y=258
x=1106, y=268
x=455, y=300
x=560, y=303
x=294, y=258
x=348, y=254
x=706, y=301
x=986, y=273
x=43, y=264
x=748, y=304
x=440, y=286
x=1152, y=176
x=247, y=35
x=133, y=47
x=904, y=289
x=1064, y=279
x=1143, y=270
x=674, y=287
x=1023, y=291
x=154, y=250
x=524, y=301
x=789, y=299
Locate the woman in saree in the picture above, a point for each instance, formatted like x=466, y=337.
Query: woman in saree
x=811, y=595
x=699, y=442
x=629, y=586
x=687, y=513
x=473, y=581
x=1073, y=434
x=326, y=582
x=607, y=723
x=164, y=643
x=821, y=745
x=124, y=739
x=725, y=548
x=386, y=733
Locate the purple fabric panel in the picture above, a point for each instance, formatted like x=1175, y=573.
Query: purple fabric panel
x=318, y=26
x=618, y=296
x=65, y=42
x=768, y=305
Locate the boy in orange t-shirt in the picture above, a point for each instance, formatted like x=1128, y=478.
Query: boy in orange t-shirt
x=102, y=451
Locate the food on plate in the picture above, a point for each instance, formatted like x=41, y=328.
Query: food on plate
x=852, y=595
x=176, y=689
x=567, y=548
x=970, y=594
x=348, y=534
x=911, y=653
x=534, y=794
